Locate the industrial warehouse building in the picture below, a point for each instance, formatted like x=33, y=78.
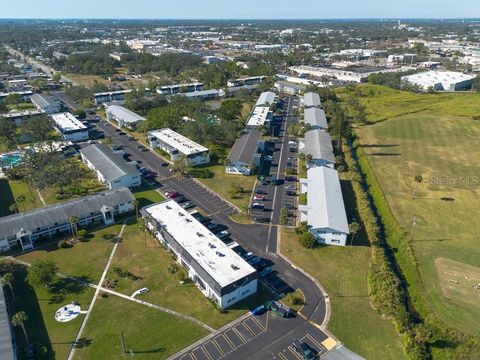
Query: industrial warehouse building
x=311, y=99
x=220, y=273
x=325, y=211
x=318, y=144
x=177, y=145
x=111, y=169
x=46, y=103
x=245, y=156
x=316, y=118
x=24, y=229
x=441, y=80
x=123, y=116
x=70, y=127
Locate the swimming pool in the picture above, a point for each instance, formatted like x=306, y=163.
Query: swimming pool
x=10, y=159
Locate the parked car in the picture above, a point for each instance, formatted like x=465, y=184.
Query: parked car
x=122, y=133
x=268, y=158
x=118, y=130
x=289, y=187
x=188, y=205
x=254, y=260
x=259, y=206
x=222, y=234
x=171, y=194
x=304, y=350
x=261, y=192
x=131, y=138
x=180, y=199
x=291, y=193
x=262, y=220
x=291, y=178
x=212, y=225
x=265, y=271
x=259, y=310
x=259, y=197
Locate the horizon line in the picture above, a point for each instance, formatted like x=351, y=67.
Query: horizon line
x=243, y=19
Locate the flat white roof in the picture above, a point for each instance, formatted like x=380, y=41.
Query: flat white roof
x=67, y=122
x=258, y=116
x=267, y=97
x=431, y=78
x=178, y=141
x=325, y=206
x=214, y=256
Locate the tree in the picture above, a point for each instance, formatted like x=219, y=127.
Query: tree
x=13, y=208
x=283, y=216
x=354, y=227
x=307, y=240
x=37, y=128
x=136, y=203
x=173, y=269
x=13, y=99
x=20, y=199
x=3, y=107
x=180, y=165
x=8, y=130
x=19, y=320
x=6, y=280
x=73, y=220
x=82, y=235
x=418, y=179
x=41, y=273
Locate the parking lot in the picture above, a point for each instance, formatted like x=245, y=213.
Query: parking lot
x=229, y=341
x=289, y=353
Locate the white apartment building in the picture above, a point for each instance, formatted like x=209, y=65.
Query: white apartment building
x=70, y=127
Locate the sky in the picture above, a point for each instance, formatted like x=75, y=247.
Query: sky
x=239, y=9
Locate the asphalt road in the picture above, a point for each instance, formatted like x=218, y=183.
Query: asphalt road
x=258, y=238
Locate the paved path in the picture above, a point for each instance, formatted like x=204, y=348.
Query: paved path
x=41, y=197
x=97, y=291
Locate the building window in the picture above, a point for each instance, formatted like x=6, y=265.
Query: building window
x=336, y=241
x=232, y=299
x=245, y=292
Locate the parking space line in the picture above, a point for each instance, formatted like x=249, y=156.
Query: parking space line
x=292, y=350
x=218, y=347
x=239, y=335
x=249, y=329
x=283, y=357
x=227, y=339
x=311, y=338
x=207, y=354
x=192, y=355
x=259, y=324
x=184, y=356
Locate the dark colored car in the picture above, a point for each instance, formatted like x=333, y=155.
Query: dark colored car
x=304, y=350
x=122, y=133
x=180, y=199
x=131, y=138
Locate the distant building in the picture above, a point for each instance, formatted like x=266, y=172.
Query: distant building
x=316, y=118
x=17, y=85
x=259, y=116
x=441, y=80
x=266, y=98
x=179, y=88
x=289, y=88
x=318, y=144
x=18, y=117
x=123, y=116
x=300, y=80
x=213, y=60
x=220, y=273
x=205, y=95
x=111, y=169
x=25, y=95
x=253, y=80
x=311, y=99
x=245, y=155
x=24, y=229
x=118, y=95
x=70, y=127
x=47, y=103
x=325, y=211
x=177, y=145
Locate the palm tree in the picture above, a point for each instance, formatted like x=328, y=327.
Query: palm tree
x=73, y=220
x=20, y=199
x=136, y=203
x=142, y=226
x=173, y=269
x=6, y=280
x=354, y=227
x=418, y=179
x=13, y=208
x=19, y=320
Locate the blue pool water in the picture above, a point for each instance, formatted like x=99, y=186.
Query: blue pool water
x=10, y=159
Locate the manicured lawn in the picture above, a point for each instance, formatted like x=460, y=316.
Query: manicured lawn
x=149, y=333
x=40, y=305
x=443, y=148
x=343, y=273
x=147, y=195
x=21, y=106
x=84, y=259
x=148, y=260
x=221, y=183
x=11, y=190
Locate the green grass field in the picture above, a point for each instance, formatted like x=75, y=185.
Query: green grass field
x=147, y=259
x=221, y=183
x=387, y=103
x=40, y=305
x=83, y=260
x=441, y=144
x=11, y=190
x=150, y=334
x=147, y=195
x=343, y=273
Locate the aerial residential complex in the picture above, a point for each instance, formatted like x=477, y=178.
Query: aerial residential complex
x=220, y=273
x=26, y=228
x=177, y=145
x=111, y=169
x=70, y=127
x=46, y=103
x=325, y=209
x=123, y=116
x=245, y=155
x=318, y=145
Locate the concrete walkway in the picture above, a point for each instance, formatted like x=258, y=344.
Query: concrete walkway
x=41, y=197
x=97, y=291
